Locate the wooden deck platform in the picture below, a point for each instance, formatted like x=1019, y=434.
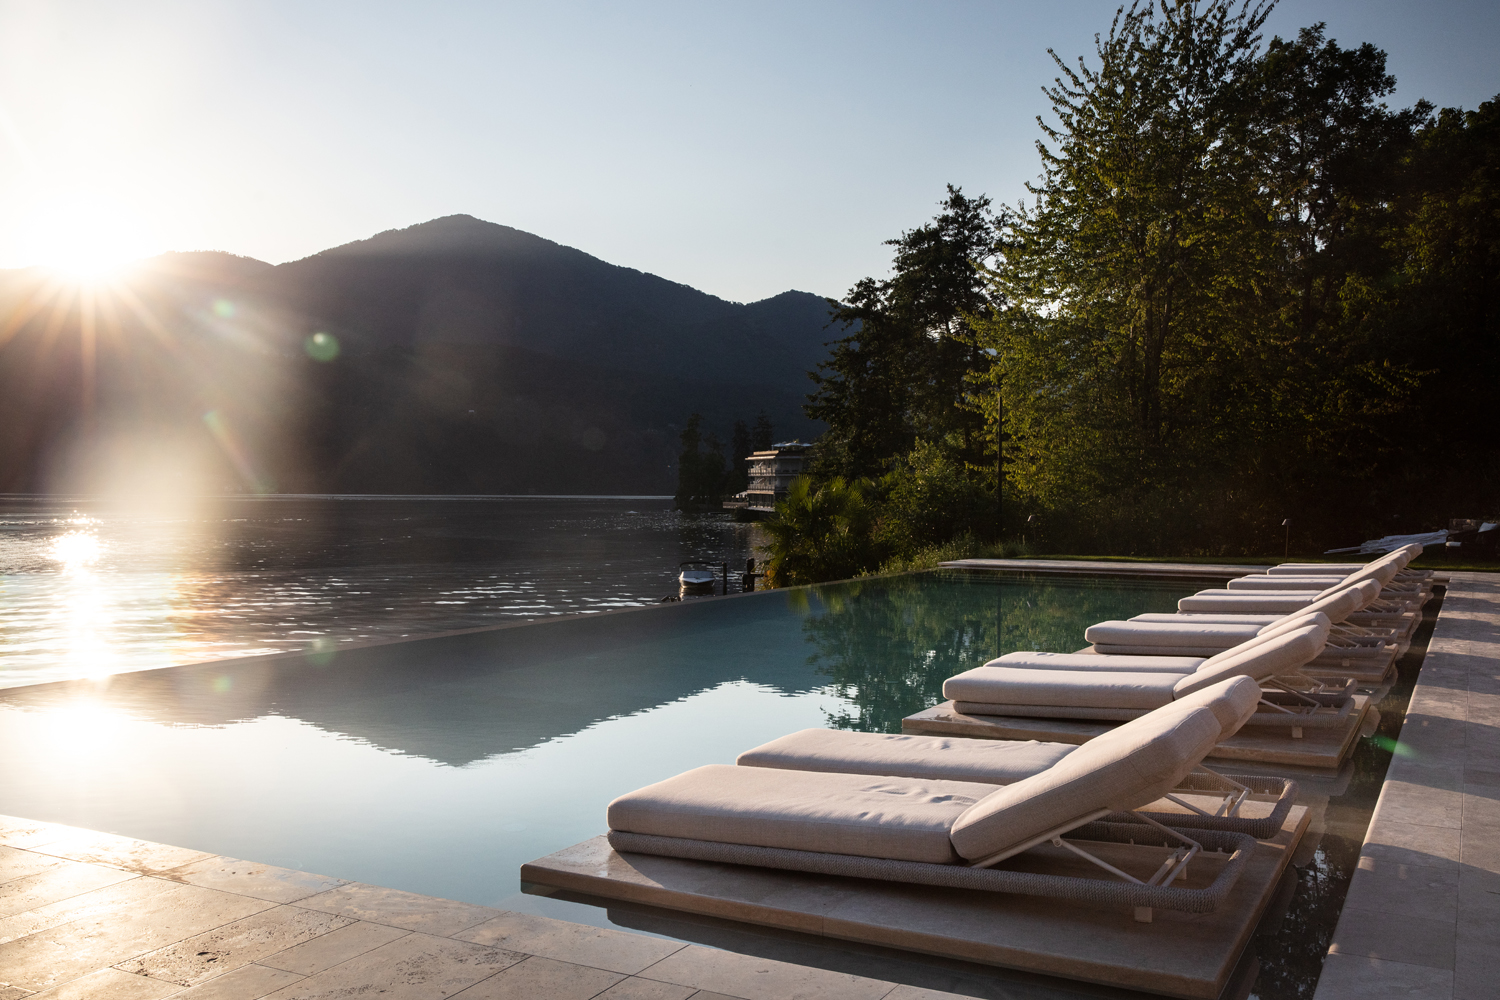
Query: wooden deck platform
x=1322, y=749
x=1178, y=954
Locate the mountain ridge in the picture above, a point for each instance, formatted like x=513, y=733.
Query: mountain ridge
x=466, y=357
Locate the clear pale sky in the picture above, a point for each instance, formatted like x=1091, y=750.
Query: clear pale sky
x=743, y=148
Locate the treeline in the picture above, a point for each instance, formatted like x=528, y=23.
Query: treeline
x=705, y=476
x=1243, y=290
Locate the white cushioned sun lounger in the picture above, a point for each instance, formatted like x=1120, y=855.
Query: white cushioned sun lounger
x=1002, y=762
x=1080, y=686
x=1208, y=634
x=948, y=833
x=1278, y=598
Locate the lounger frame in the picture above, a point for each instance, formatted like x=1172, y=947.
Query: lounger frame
x=1141, y=895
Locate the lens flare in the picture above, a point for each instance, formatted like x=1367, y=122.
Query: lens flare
x=223, y=434
x=224, y=309
x=322, y=346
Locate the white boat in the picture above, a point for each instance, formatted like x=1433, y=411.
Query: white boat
x=695, y=579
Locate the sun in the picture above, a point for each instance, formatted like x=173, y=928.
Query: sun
x=86, y=237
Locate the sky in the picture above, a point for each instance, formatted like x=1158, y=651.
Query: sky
x=743, y=149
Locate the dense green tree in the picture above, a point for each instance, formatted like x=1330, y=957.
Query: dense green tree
x=700, y=467
x=1176, y=366
x=896, y=377
x=1244, y=289
x=737, y=480
x=928, y=499
x=763, y=436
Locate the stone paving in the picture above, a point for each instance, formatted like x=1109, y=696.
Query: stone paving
x=1422, y=918
x=1095, y=567
x=91, y=916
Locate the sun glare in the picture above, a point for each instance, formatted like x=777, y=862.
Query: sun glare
x=85, y=237
x=75, y=549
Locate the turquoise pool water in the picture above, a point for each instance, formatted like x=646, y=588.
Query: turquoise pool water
x=441, y=765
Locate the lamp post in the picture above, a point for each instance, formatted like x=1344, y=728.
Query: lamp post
x=1287, y=524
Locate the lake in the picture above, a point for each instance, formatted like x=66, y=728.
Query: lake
x=89, y=588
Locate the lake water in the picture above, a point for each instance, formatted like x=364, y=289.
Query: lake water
x=89, y=588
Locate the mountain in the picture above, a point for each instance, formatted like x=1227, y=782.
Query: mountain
x=455, y=356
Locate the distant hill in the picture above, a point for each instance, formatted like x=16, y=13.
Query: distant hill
x=470, y=357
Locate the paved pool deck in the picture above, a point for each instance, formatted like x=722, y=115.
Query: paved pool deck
x=91, y=916
x=1422, y=918
x=1111, y=567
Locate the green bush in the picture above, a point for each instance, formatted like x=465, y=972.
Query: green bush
x=822, y=532
x=930, y=499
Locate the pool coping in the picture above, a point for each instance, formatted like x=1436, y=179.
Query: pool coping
x=114, y=917
x=1422, y=915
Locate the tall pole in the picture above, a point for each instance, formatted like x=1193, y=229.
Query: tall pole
x=1286, y=550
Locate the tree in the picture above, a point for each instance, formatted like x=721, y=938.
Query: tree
x=738, y=477
x=1173, y=363
x=700, y=467
x=763, y=436
x=896, y=377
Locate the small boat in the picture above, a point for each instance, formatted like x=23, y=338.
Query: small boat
x=697, y=577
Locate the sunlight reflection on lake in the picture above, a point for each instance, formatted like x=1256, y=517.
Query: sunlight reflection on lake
x=88, y=590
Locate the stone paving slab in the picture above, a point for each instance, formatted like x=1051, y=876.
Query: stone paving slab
x=91, y=916
x=1422, y=917
x=1094, y=567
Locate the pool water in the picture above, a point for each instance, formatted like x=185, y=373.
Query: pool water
x=441, y=765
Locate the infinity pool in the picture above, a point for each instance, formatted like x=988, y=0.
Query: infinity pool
x=441, y=765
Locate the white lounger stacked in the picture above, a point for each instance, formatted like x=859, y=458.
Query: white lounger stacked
x=1387, y=609
x=936, y=831
x=1354, y=652
x=1111, y=688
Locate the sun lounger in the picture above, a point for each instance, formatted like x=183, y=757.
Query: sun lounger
x=1206, y=799
x=1104, y=688
x=1366, y=653
x=952, y=833
x=1407, y=553
x=1393, y=597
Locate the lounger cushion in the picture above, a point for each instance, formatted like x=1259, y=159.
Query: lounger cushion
x=1286, y=653
x=1090, y=661
x=1231, y=701
x=1289, y=623
x=1145, y=759
x=1073, y=688
x=1284, y=583
x=1182, y=632
x=1223, y=618
x=996, y=762
x=905, y=819
x=1246, y=602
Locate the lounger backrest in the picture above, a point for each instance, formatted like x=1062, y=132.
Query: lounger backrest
x=1284, y=654
x=1292, y=622
x=1337, y=606
x=1383, y=569
x=1156, y=753
x=1232, y=702
x=1369, y=586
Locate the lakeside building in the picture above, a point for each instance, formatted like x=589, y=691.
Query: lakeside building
x=772, y=472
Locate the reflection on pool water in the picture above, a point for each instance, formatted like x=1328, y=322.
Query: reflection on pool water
x=441, y=765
